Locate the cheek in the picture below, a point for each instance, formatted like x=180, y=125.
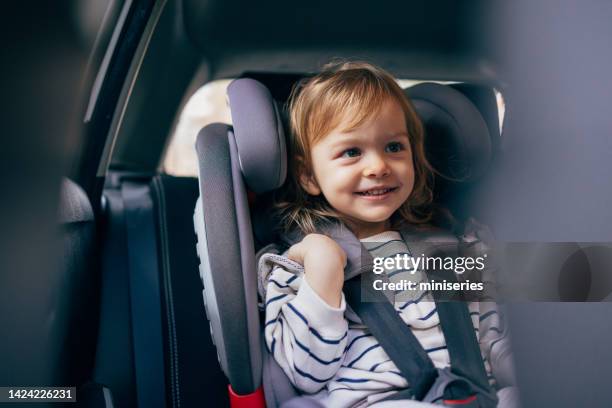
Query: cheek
x=408, y=173
x=338, y=180
x=318, y=161
x=410, y=183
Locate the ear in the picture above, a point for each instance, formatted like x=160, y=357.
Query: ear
x=309, y=183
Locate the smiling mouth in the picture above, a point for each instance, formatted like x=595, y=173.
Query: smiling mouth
x=377, y=192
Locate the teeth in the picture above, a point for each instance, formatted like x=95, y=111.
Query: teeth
x=377, y=192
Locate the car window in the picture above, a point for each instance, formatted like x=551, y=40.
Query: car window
x=208, y=105
x=501, y=109
x=501, y=106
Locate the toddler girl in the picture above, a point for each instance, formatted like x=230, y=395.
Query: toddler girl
x=357, y=153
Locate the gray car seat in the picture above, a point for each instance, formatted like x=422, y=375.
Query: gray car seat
x=248, y=159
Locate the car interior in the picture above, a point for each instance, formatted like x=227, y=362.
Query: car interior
x=138, y=326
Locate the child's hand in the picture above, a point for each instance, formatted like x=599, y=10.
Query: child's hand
x=324, y=262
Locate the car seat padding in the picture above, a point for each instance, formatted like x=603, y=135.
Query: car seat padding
x=221, y=218
x=259, y=135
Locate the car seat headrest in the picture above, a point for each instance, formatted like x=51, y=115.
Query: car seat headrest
x=457, y=140
x=259, y=135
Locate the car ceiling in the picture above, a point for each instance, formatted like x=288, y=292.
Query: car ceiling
x=410, y=38
x=441, y=40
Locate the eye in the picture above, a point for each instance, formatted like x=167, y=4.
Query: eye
x=394, y=147
x=352, y=152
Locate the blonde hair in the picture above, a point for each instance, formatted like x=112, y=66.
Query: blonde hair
x=317, y=106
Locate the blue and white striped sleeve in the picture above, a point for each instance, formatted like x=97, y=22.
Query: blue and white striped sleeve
x=306, y=336
x=495, y=344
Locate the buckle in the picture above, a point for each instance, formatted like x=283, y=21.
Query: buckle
x=462, y=401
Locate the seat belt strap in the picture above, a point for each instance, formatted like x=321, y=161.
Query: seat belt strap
x=145, y=304
x=394, y=336
x=461, y=342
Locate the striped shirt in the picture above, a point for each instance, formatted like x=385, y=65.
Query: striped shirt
x=328, y=352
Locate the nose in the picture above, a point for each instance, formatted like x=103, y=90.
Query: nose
x=376, y=166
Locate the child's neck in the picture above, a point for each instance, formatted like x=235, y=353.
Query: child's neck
x=367, y=229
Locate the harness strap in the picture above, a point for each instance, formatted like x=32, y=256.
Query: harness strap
x=461, y=342
x=394, y=336
x=398, y=341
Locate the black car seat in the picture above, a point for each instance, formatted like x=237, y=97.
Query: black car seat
x=76, y=290
x=153, y=346
x=249, y=159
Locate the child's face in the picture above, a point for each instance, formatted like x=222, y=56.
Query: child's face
x=365, y=174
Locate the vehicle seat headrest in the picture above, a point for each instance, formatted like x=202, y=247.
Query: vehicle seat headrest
x=259, y=135
x=457, y=140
